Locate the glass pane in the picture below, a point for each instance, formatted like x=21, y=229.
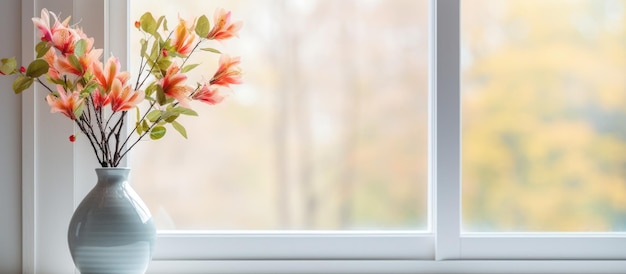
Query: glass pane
x=328, y=132
x=544, y=115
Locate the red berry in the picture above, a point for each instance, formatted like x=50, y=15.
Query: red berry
x=137, y=24
x=164, y=52
x=22, y=69
x=72, y=138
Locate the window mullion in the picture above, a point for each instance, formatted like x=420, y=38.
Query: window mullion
x=446, y=127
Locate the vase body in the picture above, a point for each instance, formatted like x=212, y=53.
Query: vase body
x=112, y=230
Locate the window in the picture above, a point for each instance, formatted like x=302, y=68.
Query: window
x=542, y=105
x=454, y=245
x=328, y=132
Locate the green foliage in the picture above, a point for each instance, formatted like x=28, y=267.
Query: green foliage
x=145, y=126
x=148, y=24
x=161, y=20
x=161, y=95
x=22, y=83
x=75, y=62
x=144, y=47
x=180, y=128
x=80, y=47
x=188, y=68
x=211, y=50
x=42, y=48
x=157, y=132
x=184, y=111
x=79, y=110
x=9, y=65
x=154, y=115
x=203, y=26
x=37, y=68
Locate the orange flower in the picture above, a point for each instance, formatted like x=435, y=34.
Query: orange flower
x=105, y=76
x=173, y=85
x=68, y=104
x=223, y=28
x=51, y=59
x=209, y=94
x=86, y=61
x=184, y=37
x=100, y=99
x=122, y=98
x=228, y=72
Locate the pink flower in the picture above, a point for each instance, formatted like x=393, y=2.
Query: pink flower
x=173, y=85
x=209, y=94
x=63, y=39
x=223, y=28
x=184, y=37
x=228, y=72
x=65, y=103
x=43, y=24
x=122, y=98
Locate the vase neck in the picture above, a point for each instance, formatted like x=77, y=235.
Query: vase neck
x=112, y=175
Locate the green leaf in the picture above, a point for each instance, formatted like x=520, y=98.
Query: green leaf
x=80, y=47
x=144, y=47
x=184, y=111
x=165, y=24
x=138, y=128
x=75, y=63
x=164, y=63
x=159, y=21
x=153, y=115
x=9, y=65
x=154, y=51
x=161, y=95
x=180, y=128
x=37, y=68
x=79, y=110
x=42, y=48
x=211, y=50
x=171, y=118
x=137, y=115
x=150, y=89
x=203, y=26
x=148, y=24
x=21, y=83
x=89, y=88
x=187, y=68
x=144, y=126
x=157, y=132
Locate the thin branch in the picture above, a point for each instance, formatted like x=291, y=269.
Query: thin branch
x=140, y=137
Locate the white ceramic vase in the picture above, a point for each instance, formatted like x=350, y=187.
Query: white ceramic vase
x=111, y=230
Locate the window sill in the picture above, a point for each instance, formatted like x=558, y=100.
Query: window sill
x=385, y=266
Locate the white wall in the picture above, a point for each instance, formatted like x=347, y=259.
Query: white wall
x=10, y=144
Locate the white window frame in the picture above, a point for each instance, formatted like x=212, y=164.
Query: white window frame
x=56, y=175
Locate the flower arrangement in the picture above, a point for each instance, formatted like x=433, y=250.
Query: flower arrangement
x=97, y=96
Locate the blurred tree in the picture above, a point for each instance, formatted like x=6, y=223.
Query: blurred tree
x=544, y=102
